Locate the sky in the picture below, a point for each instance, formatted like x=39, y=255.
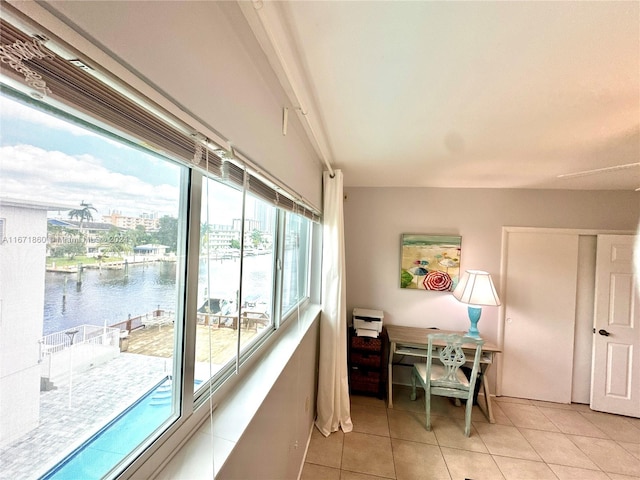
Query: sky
x=46, y=159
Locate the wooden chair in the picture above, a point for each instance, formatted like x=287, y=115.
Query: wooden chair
x=445, y=378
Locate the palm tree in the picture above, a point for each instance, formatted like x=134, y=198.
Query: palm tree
x=115, y=243
x=83, y=213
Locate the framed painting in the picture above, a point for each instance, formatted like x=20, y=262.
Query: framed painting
x=430, y=262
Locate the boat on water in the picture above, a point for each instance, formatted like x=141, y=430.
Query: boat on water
x=222, y=306
x=226, y=310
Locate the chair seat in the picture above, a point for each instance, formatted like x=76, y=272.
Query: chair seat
x=437, y=372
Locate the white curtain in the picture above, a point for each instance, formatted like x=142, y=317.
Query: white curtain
x=334, y=410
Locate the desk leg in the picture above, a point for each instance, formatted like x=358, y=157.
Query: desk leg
x=487, y=398
x=392, y=349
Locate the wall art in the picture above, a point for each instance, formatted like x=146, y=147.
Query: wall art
x=430, y=262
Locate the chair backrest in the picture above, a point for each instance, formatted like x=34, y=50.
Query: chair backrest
x=448, y=349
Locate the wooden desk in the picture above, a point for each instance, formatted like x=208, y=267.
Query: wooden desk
x=412, y=341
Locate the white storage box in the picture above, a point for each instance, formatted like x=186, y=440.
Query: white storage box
x=367, y=323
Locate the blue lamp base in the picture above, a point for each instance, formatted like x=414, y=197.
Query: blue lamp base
x=474, y=316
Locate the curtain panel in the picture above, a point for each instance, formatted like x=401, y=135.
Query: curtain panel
x=334, y=410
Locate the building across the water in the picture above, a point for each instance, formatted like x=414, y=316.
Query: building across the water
x=150, y=222
x=151, y=249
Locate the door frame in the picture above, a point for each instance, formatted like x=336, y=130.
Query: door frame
x=506, y=230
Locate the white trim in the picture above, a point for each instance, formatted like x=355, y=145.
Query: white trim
x=306, y=448
x=564, y=231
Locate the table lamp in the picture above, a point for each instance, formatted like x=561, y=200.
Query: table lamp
x=476, y=289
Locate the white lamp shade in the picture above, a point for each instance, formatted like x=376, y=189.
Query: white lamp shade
x=476, y=288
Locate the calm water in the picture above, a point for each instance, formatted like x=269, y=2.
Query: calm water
x=109, y=297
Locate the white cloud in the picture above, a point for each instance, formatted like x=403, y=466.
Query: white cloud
x=12, y=109
x=29, y=172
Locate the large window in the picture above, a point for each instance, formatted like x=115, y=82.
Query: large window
x=91, y=273
x=96, y=315
x=295, y=282
x=258, y=268
x=236, y=277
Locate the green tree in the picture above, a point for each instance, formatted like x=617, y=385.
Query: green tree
x=65, y=242
x=115, y=243
x=138, y=236
x=256, y=237
x=167, y=234
x=235, y=243
x=83, y=213
x=205, y=230
x=72, y=250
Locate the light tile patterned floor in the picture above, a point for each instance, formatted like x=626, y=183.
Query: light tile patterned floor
x=531, y=440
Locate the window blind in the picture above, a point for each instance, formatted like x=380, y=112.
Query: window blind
x=67, y=82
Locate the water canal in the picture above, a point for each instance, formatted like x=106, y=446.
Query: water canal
x=109, y=296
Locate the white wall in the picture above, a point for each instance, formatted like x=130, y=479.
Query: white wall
x=22, y=268
x=375, y=218
x=274, y=444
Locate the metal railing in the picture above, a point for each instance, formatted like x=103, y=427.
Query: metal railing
x=133, y=323
x=80, y=335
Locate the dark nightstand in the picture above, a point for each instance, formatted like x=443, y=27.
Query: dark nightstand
x=368, y=364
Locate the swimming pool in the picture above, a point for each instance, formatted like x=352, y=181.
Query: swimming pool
x=104, y=450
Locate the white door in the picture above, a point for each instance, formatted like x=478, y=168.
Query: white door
x=540, y=304
x=615, y=385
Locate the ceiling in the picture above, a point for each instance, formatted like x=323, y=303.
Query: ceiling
x=463, y=94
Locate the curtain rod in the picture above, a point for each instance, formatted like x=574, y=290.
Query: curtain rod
x=323, y=157
x=310, y=131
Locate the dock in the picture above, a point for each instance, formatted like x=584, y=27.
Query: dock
x=158, y=341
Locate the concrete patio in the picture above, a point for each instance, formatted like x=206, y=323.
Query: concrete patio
x=71, y=414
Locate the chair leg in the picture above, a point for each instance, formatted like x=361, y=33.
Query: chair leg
x=413, y=385
x=467, y=417
x=427, y=405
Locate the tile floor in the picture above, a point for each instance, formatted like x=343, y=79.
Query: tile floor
x=530, y=440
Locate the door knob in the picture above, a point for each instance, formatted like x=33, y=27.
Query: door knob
x=603, y=332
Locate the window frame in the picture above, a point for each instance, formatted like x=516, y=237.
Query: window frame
x=216, y=383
